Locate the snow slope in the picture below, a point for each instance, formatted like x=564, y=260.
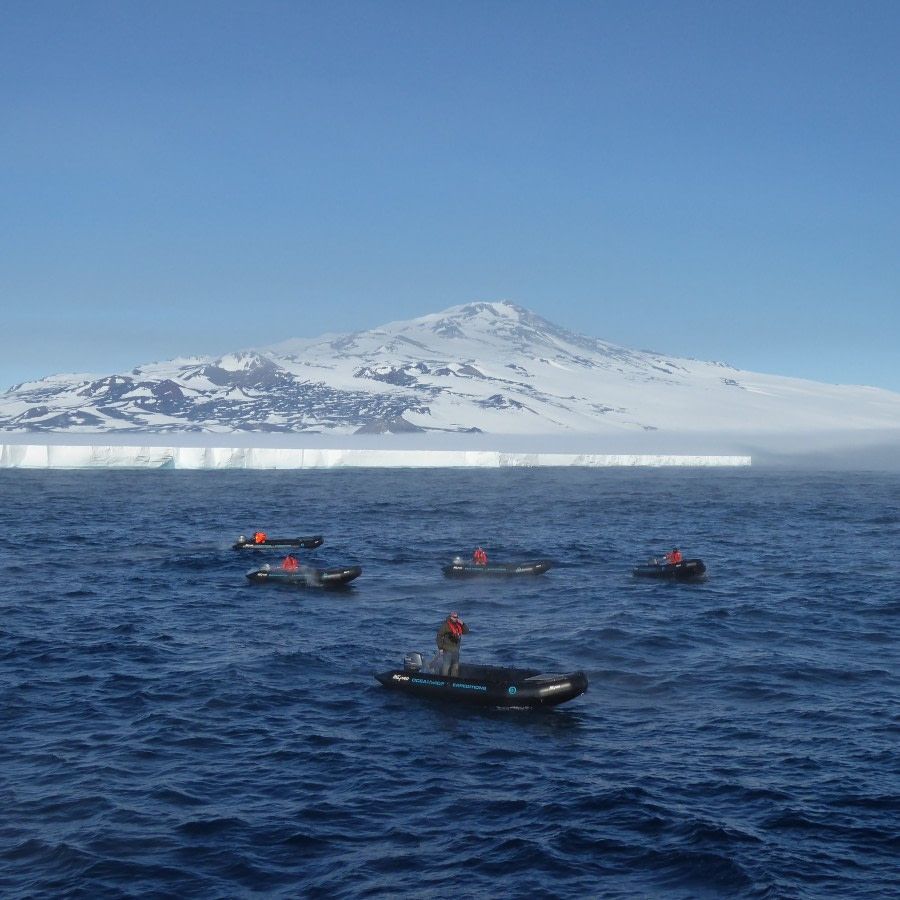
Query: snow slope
x=482, y=368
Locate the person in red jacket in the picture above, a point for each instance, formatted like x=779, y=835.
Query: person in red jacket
x=448, y=639
x=480, y=557
x=673, y=557
x=259, y=537
x=290, y=562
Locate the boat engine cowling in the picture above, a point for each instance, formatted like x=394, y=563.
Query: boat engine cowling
x=412, y=662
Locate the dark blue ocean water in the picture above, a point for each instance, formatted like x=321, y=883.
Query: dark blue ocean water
x=171, y=730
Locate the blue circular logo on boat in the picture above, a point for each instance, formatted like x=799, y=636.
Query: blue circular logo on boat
x=512, y=689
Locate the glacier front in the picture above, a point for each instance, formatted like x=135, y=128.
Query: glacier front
x=92, y=456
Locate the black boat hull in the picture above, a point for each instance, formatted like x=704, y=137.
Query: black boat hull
x=307, y=576
x=295, y=543
x=686, y=569
x=496, y=570
x=489, y=686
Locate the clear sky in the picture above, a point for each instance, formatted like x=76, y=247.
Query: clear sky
x=717, y=179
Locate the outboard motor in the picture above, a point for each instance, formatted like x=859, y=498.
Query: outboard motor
x=412, y=662
x=242, y=540
x=457, y=560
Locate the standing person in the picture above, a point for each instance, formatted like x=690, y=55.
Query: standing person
x=448, y=639
x=480, y=557
x=673, y=557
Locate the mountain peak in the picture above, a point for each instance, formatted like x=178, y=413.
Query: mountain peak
x=498, y=327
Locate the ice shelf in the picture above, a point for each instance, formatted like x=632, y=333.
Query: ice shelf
x=98, y=456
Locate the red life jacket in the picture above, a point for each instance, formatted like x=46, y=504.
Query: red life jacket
x=259, y=537
x=455, y=627
x=289, y=563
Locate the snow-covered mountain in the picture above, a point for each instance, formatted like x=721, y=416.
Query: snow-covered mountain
x=493, y=368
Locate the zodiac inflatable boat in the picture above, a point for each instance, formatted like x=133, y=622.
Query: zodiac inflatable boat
x=485, y=685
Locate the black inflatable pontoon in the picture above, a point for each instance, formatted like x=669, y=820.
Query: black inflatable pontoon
x=467, y=569
x=687, y=568
x=306, y=576
x=485, y=685
x=305, y=543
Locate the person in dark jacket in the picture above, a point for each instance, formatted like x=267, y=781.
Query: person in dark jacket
x=448, y=639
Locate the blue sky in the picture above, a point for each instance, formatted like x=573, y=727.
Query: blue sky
x=716, y=180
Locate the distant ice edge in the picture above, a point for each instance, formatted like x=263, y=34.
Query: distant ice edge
x=50, y=456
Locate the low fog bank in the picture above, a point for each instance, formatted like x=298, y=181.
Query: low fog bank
x=822, y=450
x=866, y=452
